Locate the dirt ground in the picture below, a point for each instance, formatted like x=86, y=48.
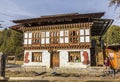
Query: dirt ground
x=17, y=74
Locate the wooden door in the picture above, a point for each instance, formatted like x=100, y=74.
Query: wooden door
x=55, y=59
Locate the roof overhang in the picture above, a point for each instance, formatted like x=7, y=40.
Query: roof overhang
x=100, y=26
x=16, y=27
x=114, y=46
x=60, y=17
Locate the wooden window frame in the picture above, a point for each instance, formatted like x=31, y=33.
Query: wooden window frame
x=47, y=37
x=54, y=37
x=65, y=36
x=85, y=35
x=74, y=36
x=43, y=37
x=36, y=38
x=74, y=56
x=36, y=56
x=28, y=38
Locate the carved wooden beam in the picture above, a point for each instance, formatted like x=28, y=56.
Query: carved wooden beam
x=60, y=47
x=62, y=26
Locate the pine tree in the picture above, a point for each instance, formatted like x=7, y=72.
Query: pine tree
x=112, y=36
x=11, y=43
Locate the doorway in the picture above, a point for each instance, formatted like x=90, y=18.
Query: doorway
x=54, y=59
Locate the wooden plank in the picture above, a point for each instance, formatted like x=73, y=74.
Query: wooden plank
x=55, y=59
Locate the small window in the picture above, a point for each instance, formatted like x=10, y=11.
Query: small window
x=36, y=37
x=66, y=40
x=47, y=34
x=74, y=56
x=25, y=35
x=85, y=35
x=61, y=33
x=43, y=41
x=54, y=37
x=82, y=32
x=29, y=41
x=37, y=57
x=43, y=34
x=87, y=38
x=87, y=31
x=66, y=32
x=47, y=40
x=30, y=35
x=73, y=36
x=25, y=41
x=82, y=39
x=61, y=40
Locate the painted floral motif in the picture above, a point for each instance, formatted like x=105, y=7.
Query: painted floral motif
x=86, y=58
x=26, y=60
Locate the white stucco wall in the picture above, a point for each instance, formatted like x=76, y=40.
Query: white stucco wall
x=45, y=58
x=64, y=62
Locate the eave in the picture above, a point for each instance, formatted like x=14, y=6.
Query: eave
x=62, y=17
x=100, y=26
x=16, y=27
x=115, y=47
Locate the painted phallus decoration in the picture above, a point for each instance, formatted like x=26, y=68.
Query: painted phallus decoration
x=26, y=60
x=86, y=58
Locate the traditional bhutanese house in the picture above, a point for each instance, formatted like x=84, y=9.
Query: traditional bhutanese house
x=62, y=40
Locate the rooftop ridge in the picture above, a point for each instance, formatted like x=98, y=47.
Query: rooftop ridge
x=60, y=17
x=56, y=15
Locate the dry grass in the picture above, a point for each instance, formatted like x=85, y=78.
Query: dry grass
x=15, y=62
x=19, y=74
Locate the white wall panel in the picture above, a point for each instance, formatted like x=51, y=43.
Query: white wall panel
x=66, y=40
x=66, y=32
x=63, y=58
x=82, y=39
x=61, y=40
x=25, y=41
x=82, y=32
x=30, y=35
x=43, y=34
x=43, y=41
x=25, y=35
x=45, y=59
x=64, y=61
x=87, y=38
x=87, y=31
x=29, y=41
x=47, y=41
x=47, y=34
x=61, y=33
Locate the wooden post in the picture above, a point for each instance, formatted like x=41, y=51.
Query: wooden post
x=2, y=64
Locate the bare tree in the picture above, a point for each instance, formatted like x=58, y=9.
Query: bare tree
x=115, y=2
